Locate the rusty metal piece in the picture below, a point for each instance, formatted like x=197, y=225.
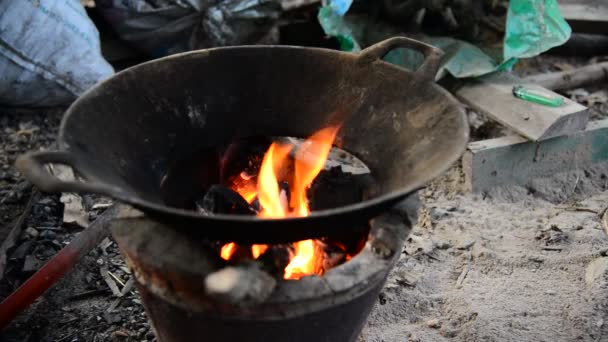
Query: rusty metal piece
x=171, y=269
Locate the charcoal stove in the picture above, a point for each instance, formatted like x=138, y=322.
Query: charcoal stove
x=329, y=308
x=123, y=136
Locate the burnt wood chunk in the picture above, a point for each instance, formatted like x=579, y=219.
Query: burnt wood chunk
x=333, y=188
x=276, y=258
x=332, y=255
x=223, y=200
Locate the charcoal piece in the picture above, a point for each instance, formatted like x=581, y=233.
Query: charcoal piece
x=333, y=188
x=243, y=155
x=241, y=254
x=255, y=205
x=188, y=179
x=223, y=200
x=332, y=255
x=276, y=258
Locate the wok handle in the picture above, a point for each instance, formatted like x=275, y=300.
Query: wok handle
x=32, y=167
x=432, y=55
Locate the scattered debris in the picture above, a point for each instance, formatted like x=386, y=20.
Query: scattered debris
x=462, y=276
x=73, y=212
x=438, y=214
x=465, y=244
x=553, y=235
x=596, y=270
x=54, y=269
x=32, y=232
x=433, y=323
x=14, y=233
x=605, y=221
x=103, y=270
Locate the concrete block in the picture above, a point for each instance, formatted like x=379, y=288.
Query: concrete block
x=514, y=160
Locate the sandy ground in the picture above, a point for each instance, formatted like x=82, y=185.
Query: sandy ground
x=489, y=270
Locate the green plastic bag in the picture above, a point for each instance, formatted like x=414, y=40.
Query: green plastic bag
x=532, y=27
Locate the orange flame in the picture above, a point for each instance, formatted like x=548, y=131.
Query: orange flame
x=268, y=185
x=309, y=161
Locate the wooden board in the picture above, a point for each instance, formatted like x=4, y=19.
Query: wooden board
x=288, y=5
x=514, y=160
x=586, y=16
x=493, y=95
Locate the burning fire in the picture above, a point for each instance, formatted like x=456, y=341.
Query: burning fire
x=309, y=161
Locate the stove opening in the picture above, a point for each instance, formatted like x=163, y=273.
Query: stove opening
x=274, y=178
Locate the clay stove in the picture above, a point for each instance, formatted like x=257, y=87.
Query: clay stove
x=172, y=269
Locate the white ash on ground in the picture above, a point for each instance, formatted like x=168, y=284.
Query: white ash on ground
x=486, y=270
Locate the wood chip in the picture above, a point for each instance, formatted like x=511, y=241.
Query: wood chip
x=605, y=221
x=105, y=274
x=118, y=280
x=462, y=276
x=73, y=212
x=433, y=323
x=549, y=248
x=287, y=5
x=580, y=209
x=102, y=205
x=88, y=294
x=407, y=278
x=128, y=287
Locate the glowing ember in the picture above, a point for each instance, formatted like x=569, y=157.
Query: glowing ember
x=304, y=261
x=227, y=250
x=309, y=161
x=258, y=250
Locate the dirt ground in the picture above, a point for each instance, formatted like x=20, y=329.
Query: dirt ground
x=474, y=269
x=487, y=270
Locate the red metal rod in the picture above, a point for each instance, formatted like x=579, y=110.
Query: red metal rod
x=55, y=268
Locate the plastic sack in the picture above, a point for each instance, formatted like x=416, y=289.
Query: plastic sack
x=164, y=27
x=532, y=27
x=49, y=52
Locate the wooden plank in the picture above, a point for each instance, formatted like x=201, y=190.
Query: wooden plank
x=493, y=95
x=571, y=79
x=288, y=5
x=514, y=160
x=585, y=16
